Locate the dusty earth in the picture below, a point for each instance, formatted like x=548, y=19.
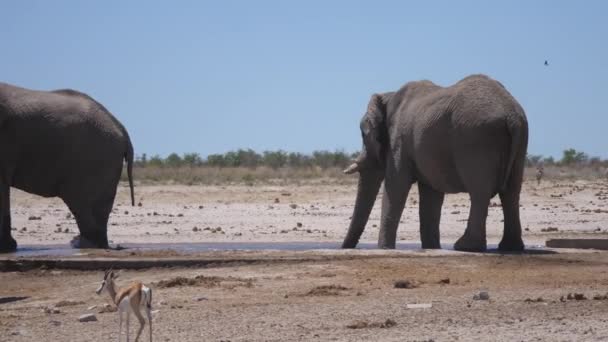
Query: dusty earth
x=361, y=295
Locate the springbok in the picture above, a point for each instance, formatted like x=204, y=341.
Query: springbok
x=540, y=171
x=131, y=298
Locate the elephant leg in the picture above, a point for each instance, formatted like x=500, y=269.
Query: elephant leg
x=430, y=215
x=102, y=211
x=369, y=185
x=474, y=238
x=396, y=188
x=92, y=234
x=511, y=239
x=7, y=243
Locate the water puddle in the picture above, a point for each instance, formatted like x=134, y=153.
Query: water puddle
x=198, y=247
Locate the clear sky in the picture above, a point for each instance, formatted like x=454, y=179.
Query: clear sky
x=212, y=76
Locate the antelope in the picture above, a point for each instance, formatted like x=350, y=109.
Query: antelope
x=539, y=174
x=129, y=299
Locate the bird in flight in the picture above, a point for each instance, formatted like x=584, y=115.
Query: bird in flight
x=546, y=63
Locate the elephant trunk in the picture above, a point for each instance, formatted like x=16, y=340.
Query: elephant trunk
x=369, y=185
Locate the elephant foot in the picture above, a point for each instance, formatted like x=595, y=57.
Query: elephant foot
x=511, y=245
x=468, y=244
x=80, y=241
x=349, y=244
x=384, y=245
x=430, y=243
x=8, y=245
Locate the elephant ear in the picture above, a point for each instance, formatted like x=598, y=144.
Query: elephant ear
x=374, y=130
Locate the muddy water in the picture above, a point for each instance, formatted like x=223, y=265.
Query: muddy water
x=191, y=248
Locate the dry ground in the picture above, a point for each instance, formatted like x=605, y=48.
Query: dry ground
x=346, y=296
x=169, y=213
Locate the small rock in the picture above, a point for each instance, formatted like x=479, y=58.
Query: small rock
x=63, y=303
x=276, y=200
x=444, y=281
x=200, y=207
x=139, y=204
x=180, y=215
x=200, y=299
x=68, y=216
x=107, y=308
x=195, y=229
x=87, y=318
x=482, y=295
x=405, y=284
x=299, y=224
x=51, y=310
x=34, y=218
x=576, y=296
x=93, y=307
x=293, y=206
x=537, y=300
x=419, y=306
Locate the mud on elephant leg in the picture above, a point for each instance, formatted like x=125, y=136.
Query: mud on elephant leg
x=474, y=238
x=7, y=243
x=430, y=216
x=511, y=239
x=92, y=234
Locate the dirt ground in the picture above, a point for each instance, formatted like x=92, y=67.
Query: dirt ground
x=310, y=212
x=361, y=295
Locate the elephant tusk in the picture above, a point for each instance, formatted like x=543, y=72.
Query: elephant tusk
x=354, y=167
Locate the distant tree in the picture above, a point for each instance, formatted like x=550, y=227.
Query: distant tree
x=571, y=156
x=274, y=159
x=297, y=159
x=533, y=160
x=173, y=160
x=248, y=158
x=192, y=159
x=156, y=161
x=549, y=161
x=216, y=160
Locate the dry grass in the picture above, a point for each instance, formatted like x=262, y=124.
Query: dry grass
x=555, y=172
x=237, y=175
x=205, y=175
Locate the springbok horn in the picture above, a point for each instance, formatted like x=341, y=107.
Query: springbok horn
x=354, y=167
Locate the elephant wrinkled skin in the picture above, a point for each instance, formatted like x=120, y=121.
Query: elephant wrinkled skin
x=470, y=137
x=61, y=143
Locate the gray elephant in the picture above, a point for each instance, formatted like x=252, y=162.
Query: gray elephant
x=470, y=137
x=63, y=144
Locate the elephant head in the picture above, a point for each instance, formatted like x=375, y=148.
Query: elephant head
x=374, y=135
x=370, y=165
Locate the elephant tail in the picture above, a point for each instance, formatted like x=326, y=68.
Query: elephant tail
x=129, y=158
x=517, y=126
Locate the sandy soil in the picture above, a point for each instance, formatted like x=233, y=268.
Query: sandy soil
x=344, y=296
x=302, y=213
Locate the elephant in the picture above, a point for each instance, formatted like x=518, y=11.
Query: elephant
x=469, y=137
x=62, y=143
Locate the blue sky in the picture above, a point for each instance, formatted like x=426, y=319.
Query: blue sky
x=212, y=76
